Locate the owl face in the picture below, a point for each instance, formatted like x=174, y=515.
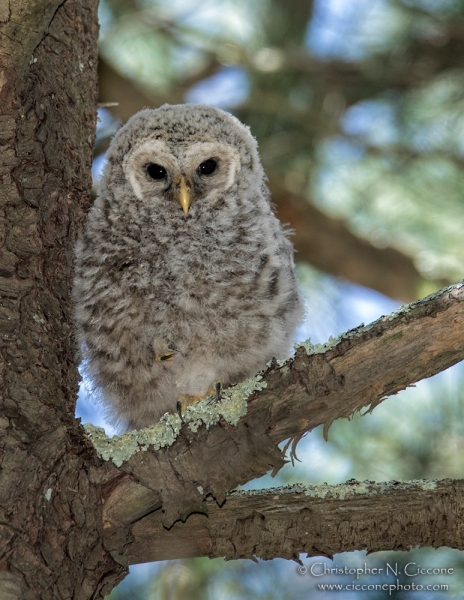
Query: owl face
x=181, y=173
x=181, y=159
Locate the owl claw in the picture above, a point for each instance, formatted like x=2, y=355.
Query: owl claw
x=166, y=356
x=179, y=410
x=185, y=400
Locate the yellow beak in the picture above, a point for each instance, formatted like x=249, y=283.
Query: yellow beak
x=184, y=197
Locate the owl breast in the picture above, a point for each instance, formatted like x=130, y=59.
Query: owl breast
x=219, y=291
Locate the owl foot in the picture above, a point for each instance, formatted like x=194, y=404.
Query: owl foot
x=185, y=400
x=165, y=356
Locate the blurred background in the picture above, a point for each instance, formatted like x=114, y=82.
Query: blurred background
x=358, y=109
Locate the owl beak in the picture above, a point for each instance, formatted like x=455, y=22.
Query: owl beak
x=184, y=196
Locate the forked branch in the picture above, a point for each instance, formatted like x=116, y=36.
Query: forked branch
x=320, y=384
x=317, y=520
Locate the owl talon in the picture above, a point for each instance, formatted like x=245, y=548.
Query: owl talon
x=185, y=400
x=216, y=391
x=179, y=410
x=166, y=356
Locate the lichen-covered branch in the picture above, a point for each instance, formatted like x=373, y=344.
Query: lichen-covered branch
x=321, y=383
x=317, y=520
x=367, y=364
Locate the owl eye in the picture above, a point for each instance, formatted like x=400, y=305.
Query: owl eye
x=207, y=167
x=156, y=171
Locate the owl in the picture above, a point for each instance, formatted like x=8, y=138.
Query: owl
x=184, y=276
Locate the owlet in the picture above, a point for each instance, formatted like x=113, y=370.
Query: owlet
x=184, y=276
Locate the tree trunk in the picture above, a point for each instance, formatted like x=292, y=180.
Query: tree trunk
x=50, y=511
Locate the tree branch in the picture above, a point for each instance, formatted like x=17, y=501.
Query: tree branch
x=320, y=384
x=317, y=520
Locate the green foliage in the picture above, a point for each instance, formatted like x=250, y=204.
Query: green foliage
x=399, y=179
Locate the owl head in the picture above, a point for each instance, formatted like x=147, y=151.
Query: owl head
x=181, y=154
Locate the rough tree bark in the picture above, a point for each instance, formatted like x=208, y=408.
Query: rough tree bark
x=50, y=512
x=317, y=520
x=69, y=521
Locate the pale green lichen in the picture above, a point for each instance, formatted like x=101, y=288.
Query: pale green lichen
x=234, y=404
x=342, y=490
x=231, y=407
x=48, y=495
x=120, y=448
x=323, y=348
x=208, y=412
x=202, y=413
x=408, y=307
x=331, y=342
x=427, y=484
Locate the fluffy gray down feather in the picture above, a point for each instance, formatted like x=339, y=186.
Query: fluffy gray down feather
x=213, y=290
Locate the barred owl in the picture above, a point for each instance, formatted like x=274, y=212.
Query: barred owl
x=184, y=275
